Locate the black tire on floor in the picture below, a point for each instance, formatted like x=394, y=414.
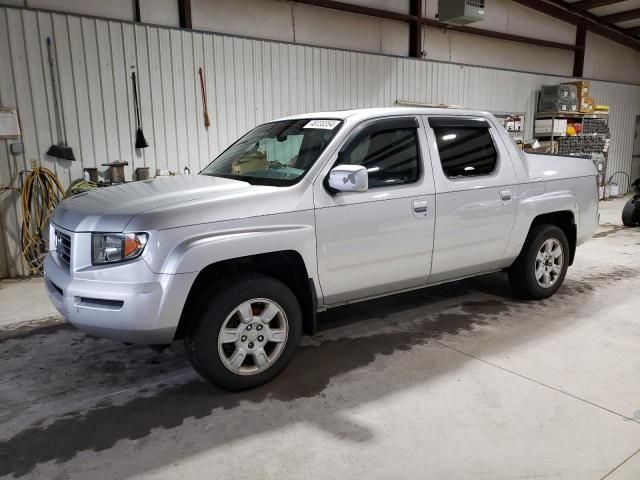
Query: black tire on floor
x=209, y=315
x=631, y=213
x=522, y=273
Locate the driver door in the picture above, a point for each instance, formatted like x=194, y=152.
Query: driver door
x=381, y=240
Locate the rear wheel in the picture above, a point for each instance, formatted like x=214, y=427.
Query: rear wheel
x=542, y=265
x=246, y=333
x=631, y=212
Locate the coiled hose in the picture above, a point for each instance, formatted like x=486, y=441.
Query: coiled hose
x=42, y=191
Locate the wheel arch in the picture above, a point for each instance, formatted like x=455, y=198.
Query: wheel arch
x=286, y=266
x=566, y=221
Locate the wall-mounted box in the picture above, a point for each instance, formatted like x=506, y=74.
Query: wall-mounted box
x=460, y=12
x=9, y=124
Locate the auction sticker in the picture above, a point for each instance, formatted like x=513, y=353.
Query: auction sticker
x=325, y=124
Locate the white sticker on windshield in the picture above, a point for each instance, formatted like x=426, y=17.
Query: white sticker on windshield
x=326, y=124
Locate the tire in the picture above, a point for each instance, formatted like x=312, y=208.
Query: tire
x=525, y=272
x=239, y=304
x=631, y=212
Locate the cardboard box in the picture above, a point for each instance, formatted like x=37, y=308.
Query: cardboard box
x=586, y=104
x=543, y=126
x=583, y=88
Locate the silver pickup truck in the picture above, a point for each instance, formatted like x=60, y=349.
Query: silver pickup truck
x=310, y=212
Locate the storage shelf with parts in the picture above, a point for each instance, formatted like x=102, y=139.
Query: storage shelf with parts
x=576, y=134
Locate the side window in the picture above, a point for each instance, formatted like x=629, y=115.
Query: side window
x=466, y=151
x=390, y=156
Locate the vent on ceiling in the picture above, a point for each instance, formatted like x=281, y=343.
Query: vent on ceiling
x=460, y=12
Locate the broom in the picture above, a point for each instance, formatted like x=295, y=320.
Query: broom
x=61, y=150
x=141, y=142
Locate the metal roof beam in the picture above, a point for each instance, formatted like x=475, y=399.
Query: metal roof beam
x=563, y=14
x=592, y=23
x=412, y=19
x=499, y=35
x=559, y=12
x=620, y=17
x=352, y=8
x=589, y=4
x=635, y=31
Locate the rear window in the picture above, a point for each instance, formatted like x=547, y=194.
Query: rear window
x=466, y=151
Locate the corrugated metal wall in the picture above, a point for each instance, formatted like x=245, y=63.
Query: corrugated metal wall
x=248, y=82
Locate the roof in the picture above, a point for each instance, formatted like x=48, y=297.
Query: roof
x=366, y=113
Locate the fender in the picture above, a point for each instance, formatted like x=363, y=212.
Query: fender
x=535, y=201
x=190, y=249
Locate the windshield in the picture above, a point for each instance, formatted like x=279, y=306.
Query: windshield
x=276, y=153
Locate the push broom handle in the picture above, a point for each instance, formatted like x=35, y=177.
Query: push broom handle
x=135, y=99
x=56, y=109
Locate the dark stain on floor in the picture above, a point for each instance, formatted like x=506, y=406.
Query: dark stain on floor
x=307, y=376
x=29, y=331
x=609, y=230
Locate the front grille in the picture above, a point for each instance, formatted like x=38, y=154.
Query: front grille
x=63, y=246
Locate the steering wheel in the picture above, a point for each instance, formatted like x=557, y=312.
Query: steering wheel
x=275, y=164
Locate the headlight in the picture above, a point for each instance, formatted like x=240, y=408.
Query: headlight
x=116, y=247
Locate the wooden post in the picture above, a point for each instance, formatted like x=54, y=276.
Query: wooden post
x=184, y=11
x=578, y=55
x=415, y=29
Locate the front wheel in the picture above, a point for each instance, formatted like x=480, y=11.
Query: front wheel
x=631, y=212
x=542, y=265
x=246, y=333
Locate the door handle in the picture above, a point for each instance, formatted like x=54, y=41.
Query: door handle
x=506, y=195
x=420, y=207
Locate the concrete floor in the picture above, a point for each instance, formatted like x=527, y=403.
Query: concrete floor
x=24, y=304
x=456, y=381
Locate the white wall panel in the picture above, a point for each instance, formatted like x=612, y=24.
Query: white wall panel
x=119, y=9
x=252, y=18
x=610, y=61
x=249, y=81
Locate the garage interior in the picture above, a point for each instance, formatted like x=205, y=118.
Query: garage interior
x=460, y=380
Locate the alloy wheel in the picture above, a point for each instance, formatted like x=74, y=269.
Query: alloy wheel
x=253, y=336
x=549, y=263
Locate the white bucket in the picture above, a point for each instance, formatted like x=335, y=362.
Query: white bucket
x=614, y=190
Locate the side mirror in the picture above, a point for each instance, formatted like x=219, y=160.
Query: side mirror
x=349, y=178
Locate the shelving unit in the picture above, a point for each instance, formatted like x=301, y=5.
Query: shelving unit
x=553, y=116
x=596, y=149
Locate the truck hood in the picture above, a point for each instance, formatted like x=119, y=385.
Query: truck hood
x=111, y=209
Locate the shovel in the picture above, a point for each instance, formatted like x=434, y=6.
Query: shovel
x=61, y=150
x=141, y=142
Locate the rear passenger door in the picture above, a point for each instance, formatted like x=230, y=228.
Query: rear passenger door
x=476, y=196
x=378, y=241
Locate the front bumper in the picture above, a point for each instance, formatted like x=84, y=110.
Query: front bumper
x=127, y=302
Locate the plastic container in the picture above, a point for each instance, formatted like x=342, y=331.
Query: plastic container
x=142, y=173
x=564, y=90
x=555, y=104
